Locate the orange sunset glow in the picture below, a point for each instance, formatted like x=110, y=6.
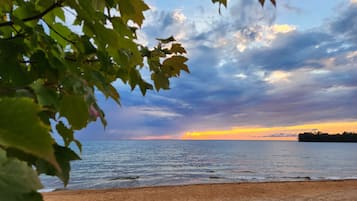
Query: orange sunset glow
x=270, y=133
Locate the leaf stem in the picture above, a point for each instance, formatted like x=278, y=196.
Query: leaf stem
x=59, y=34
x=35, y=17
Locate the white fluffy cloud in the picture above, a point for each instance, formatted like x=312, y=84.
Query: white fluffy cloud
x=278, y=77
x=260, y=35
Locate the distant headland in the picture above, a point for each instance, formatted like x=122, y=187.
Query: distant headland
x=325, y=137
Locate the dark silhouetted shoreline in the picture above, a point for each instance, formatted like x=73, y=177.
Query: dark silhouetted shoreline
x=325, y=137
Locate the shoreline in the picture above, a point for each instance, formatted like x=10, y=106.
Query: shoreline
x=299, y=179
x=329, y=190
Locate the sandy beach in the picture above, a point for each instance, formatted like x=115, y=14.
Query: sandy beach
x=272, y=191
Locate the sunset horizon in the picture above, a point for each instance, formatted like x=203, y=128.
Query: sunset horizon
x=288, y=133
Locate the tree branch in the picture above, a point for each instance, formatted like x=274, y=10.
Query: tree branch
x=16, y=36
x=87, y=60
x=59, y=34
x=53, y=6
x=26, y=62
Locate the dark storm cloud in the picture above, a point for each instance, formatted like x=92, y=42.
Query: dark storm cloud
x=290, y=51
x=346, y=24
x=305, y=105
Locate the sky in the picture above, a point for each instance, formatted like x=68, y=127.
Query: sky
x=256, y=73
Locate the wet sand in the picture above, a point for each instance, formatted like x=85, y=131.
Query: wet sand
x=272, y=191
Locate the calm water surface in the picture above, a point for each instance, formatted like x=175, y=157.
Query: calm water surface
x=116, y=164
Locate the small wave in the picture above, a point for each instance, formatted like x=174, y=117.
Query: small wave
x=47, y=190
x=244, y=171
x=214, y=177
x=251, y=178
x=125, y=178
x=354, y=177
x=337, y=178
x=307, y=178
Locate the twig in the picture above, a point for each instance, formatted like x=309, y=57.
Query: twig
x=35, y=17
x=59, y=34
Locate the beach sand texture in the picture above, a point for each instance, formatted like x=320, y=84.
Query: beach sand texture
x=269, y=191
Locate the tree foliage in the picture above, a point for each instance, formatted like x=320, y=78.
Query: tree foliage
x=54, y=55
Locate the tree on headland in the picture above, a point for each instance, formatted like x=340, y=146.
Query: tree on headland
x=54, y=55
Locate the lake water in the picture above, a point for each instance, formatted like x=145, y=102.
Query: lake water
x=117, y=164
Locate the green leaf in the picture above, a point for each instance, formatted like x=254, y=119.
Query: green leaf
x=177, y=48
x=144, y=86
x=85, y=45
x=98, y=5
x=106, y=88
x=41, y=68
x=18, y=181
x=175, y=64
x=79, y=145
x=41, y=4
x=65, y=133
x=220, y=2
x=224, y=2
x=134, y=78
x=6, y=5
x=61, y=34
x=6, y=32
x=122, y=28
x=166, y=40
x=45, y=96
x=21, y=128
x=26, y=10
x=110, y=91
x=11, y=70
x=160, y=81
x=262, y=2
x=273, y=2
x=64, y=156
x=75, y=109
x=133, y=10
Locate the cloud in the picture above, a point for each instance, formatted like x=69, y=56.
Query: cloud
x=278, y=77
x=280, y=135
x=248, y=13
x=345, y=24
x=155, y=112
x=282, y=28
x=290, y=50
x=290, y=7
x=259, y=35
x=299, y=77
x=162, y=24
x=245, y=70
